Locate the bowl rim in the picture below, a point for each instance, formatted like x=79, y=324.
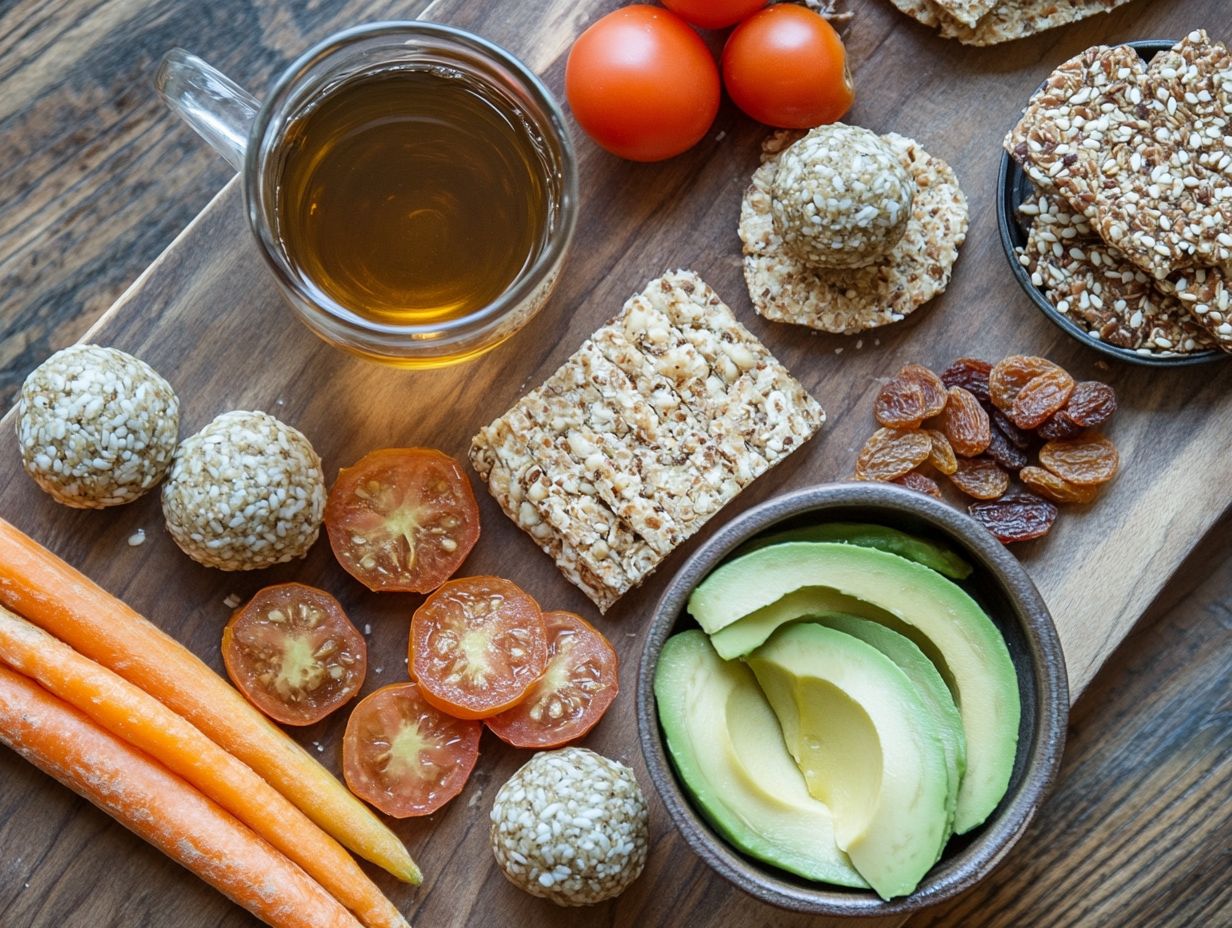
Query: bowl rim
x=1010, y=180
x=1045, y=745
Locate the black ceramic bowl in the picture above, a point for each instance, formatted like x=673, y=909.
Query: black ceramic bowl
x=1009, y=597
x=1013, y=188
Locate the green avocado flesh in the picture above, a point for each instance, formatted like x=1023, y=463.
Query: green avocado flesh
x=881, y=537
x=928, y=683
x=869, y=748
x=745, y=600
x=728, y=750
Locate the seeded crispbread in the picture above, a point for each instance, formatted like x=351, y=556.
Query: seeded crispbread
x=1138, y=152
x=853, y=300
x=922, y=11
x=1017, y=19
x=654, y=424
x=967, y=12
x=1101, y=290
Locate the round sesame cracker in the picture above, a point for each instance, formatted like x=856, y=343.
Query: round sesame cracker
x=847, y=301
x=571, y=826
x=96, y=426
x=245, y=492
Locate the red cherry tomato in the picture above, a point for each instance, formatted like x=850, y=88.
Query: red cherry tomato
x=787, y=67
x=402, y=519
x=642, y=84
x=582, y=679
x=714, y=14
x=404, y=756
x=478, y=644
x=294, y=653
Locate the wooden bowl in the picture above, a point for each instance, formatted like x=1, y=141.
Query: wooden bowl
x=1009, y=597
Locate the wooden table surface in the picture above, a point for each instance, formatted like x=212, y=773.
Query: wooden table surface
x=97, y=179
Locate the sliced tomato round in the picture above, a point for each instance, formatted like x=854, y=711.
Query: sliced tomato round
x=405, y=756
x=402, y=519
x=582, y=679
x=292, y=651
x=478, y=644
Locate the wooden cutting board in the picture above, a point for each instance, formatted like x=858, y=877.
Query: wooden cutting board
x=207, y=316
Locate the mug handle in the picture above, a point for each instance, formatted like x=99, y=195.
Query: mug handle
x=216, y=107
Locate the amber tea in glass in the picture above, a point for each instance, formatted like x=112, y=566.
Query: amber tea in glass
x=412, y=186
x=410, y=196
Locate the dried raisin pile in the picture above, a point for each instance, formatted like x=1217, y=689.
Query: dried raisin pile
x=1018, y=436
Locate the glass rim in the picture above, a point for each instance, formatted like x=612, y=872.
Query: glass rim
x=520, y=288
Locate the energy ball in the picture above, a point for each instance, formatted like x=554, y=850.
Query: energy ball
x=245, y=492
x=571, y=826
x=97, y=427
x=840, y=197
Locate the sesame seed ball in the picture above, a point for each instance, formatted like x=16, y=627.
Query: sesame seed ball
x=840, y=197
x=97, y=427
x=245, y=492
x=571, y=826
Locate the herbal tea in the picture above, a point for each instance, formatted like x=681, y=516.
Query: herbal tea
x=410, y=197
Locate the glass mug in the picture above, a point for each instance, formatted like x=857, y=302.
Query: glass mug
x=253, y=137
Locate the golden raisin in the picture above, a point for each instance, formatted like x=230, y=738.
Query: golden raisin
x=1009, y=375
x=930, y=385
x=965, y=423
x=1085, y=461
x=942, y=456
x=890, y=453
x=1049, y=485
x=1040, y=398
x=981, y=478
x=899, y=404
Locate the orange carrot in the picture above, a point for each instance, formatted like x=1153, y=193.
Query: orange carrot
x=141, y=720
x=155, y=804
x=48, y=592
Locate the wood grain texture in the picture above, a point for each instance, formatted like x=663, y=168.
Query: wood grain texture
x=206, y=313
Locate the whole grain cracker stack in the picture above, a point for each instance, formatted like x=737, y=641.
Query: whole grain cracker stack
x=1144, y=155
x=1099, y=288
x=656, y=422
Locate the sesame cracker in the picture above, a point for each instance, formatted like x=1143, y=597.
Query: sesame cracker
x=652, y=426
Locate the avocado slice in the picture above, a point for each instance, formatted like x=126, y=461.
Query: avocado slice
x=741, y=637
x=726, y=746
x=881, y=537
x=781, y=584
x=868, y=747
x=927, y=681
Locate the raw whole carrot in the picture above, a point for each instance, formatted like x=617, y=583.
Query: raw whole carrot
x=158, y=806
x=45, y=590
x=131, y=714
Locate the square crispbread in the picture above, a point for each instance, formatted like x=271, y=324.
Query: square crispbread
x=1017, y=19
x=850, y=300
x=652, y=426
x=1099, y=289
x=685, y=419
x=1137, y=151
